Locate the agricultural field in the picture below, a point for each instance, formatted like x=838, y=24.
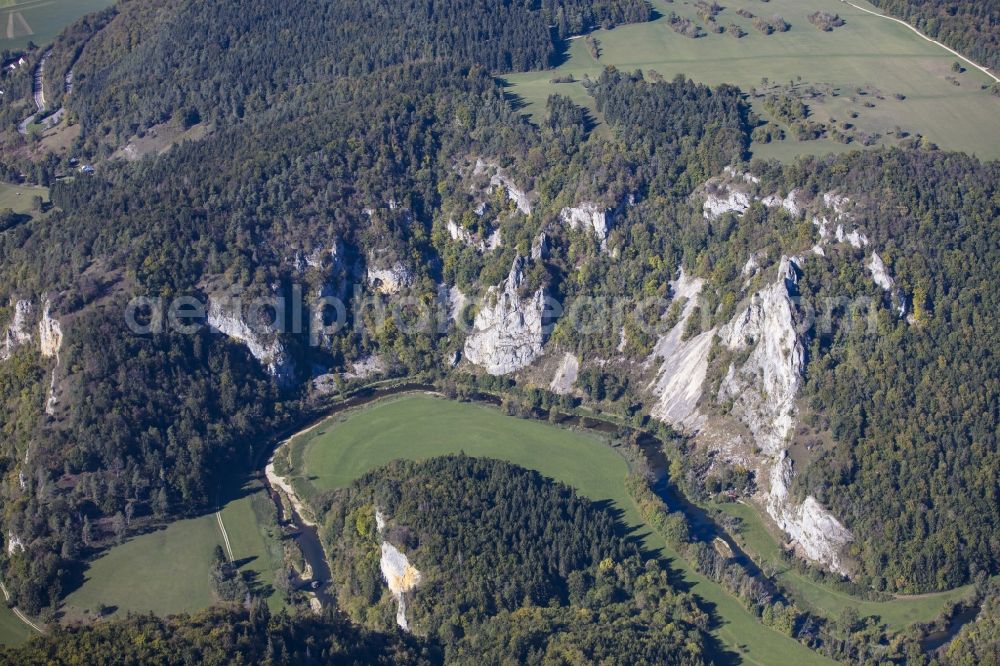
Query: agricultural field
x=823, y=599
x=18, y=197
x=420, y=426
x=167, y=571
x=12, y=630
x=872, y=73
x=39, y=21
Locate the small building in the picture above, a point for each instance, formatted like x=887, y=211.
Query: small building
x=86, y=168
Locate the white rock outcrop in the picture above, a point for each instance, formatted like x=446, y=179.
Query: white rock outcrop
x=14, y=544
x=684, y=363
x=453, y=301
x=812, y=528
x=540, y=247
x=725, y=200
x=763, y=391
x=266, y=348
x=390, y=280
x=588, y=215
x=514, y=193
x=50, y=339
x=508, y=331
x=18, y=332
x=764, y=388
x=837, y=202
x=400, y=576
x=855, y=237
x=50, y=334
x=566, y=374
x=461, y=234
x=467, y=238
x=880, y=274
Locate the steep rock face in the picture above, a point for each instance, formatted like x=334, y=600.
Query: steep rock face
x=50, y=334
x=493, y=241
x=763, y=391
x=269, y=352
x=764, y=388
x=508, y=332
x=725, y=200
x=400, y=576
x=880, y=274
x=679, y=383
x=18, y=332
x=14, y=543
x=391, y=279
x=588, y=216
x=514, y=193
x=812, y=528
x=50, y=338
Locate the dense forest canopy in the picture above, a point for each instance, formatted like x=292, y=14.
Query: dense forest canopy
x=512, y=566
x=224, y=636
x=230, y=60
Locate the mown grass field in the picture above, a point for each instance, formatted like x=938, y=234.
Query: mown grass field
x=255, y=539
x=823, y=599
x=420, y=426
x=39, y=21
x=12, y=630
x=18, y=197
x=167, y=571
x=868, y=52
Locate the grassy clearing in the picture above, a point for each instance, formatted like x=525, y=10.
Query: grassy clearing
x=18, y=197
x=164, y=572
x=39, y=21
x=421, y=426
x=167, y=571
x=866, y=52
x=897, y=614
x=255, y=539
x=12, y=630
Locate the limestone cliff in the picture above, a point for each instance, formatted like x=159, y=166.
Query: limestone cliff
x=389, y=279
x=588, y=215
x=266, y=348
x=760, y=388
x=508, y=332
x=683, y=363
x=18, y=332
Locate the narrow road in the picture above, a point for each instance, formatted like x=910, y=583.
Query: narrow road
x=21, y=616
x=984, y=70
x=38, y=87
x=37, y=91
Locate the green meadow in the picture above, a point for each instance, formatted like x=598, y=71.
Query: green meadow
x=882, y=57
x=167, y=571
x=420, y=426
x=12, y=630
x=823, y=599
x=18, y=197
x=40, y=21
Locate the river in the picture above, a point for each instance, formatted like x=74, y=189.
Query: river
x=701, y=525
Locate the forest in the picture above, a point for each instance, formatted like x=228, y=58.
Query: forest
x=512, y=565
x=330, y=138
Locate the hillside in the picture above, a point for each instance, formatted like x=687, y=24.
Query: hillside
x=501, y=564
x=249, y=226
